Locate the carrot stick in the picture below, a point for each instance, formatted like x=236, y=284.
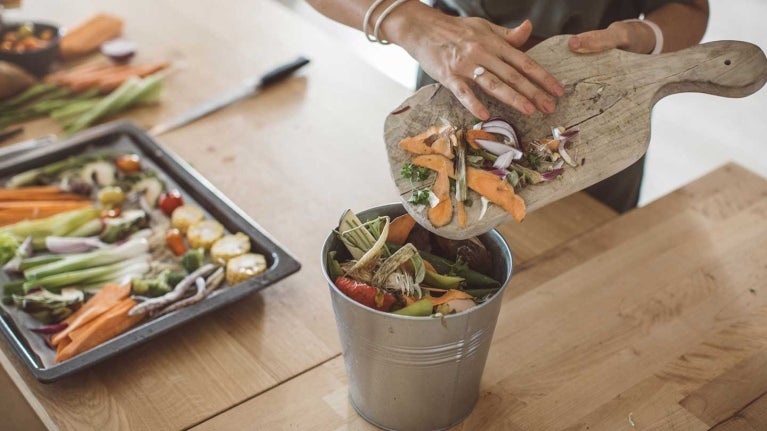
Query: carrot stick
x=106, y=298
x=14, y=212
x=39, y=194
x=107, y=326
x=91, y=66
x=113, y=81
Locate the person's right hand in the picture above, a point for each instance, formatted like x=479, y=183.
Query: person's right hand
x=450, y=48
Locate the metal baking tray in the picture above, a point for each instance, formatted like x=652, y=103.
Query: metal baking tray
x=126, y=136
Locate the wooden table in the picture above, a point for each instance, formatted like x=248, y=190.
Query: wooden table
x=658, y=316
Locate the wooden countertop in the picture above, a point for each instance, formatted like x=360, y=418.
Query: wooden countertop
x=659, y=314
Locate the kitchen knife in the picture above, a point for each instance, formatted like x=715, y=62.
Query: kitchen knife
x=251, y=88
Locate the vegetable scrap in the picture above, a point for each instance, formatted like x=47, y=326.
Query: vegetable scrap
x=398, y=266
x=95, y=244
x=488, y=158
x=77, y=100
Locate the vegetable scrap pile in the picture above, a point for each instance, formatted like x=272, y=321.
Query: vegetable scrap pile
x=398, y=266
x=94, y=244
x=487, y=158
x=85, y=95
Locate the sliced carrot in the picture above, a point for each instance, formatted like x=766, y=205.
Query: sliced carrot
x=15, y=211
x=497, y=190
x=38, y=193
x=433, y=141
x=442, y=213
x=449, y=296
x=106, y=298
x=400, y=228
x=485, y=183
x=107, y=326
x=473, y=135
x=109, y=83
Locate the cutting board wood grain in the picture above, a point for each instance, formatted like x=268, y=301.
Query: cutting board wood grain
x=609, y=98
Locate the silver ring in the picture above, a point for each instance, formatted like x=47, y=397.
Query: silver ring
x=478, y=71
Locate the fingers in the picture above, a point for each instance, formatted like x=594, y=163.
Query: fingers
x=521, y=84
x=495, y=87
x=531, y=71
x=465, y=95
x=516, y=36
x=597, y=40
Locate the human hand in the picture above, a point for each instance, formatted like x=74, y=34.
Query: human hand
x=626, y=35
x=450, y=49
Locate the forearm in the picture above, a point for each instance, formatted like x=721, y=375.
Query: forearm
x=394, y=28
x=683, y=25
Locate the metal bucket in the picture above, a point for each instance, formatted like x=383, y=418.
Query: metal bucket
x=416, y=373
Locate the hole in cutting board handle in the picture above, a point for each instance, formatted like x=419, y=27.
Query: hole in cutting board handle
x=727, y=62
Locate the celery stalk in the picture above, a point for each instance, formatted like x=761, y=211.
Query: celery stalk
x=125, y=251
x=137, y=265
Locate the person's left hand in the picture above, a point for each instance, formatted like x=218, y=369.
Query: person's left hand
x=628, y=36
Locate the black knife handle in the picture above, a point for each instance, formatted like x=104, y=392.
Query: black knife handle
x=283, y=71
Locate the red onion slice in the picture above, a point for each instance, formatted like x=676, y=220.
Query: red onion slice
x=50, y=329
x=61, y=244
x=493, y=147
x=505, y=132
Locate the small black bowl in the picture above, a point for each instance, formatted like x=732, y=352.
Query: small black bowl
x=37, y=62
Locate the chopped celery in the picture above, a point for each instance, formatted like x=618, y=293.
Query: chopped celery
x=57, y=225
x=125, y=251
x=132, y=267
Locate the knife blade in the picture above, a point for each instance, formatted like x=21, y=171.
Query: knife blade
x=250, y=88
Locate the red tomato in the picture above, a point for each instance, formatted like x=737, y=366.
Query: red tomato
x=168, y=202
x=129, y=163
x=364, y=294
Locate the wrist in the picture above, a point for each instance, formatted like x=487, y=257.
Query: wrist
x=641, y=37
x=405, y=24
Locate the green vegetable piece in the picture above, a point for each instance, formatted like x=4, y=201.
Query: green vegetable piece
x=119, y=228
x=474, y=279
x=193, y=259
x=155, y=287
x=419, y=197
x=49, y=307
x=442, y=281
x=10, y=288
x=334, y=268
x=9, y=243
x=415, y=173
x=420, y=308
x=58, y=225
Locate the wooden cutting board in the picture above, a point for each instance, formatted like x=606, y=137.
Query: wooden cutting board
x=609, y=97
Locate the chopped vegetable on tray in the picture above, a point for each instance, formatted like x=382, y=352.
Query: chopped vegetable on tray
x=95, y=244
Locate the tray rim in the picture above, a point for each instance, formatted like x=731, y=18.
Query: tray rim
x=205, y=194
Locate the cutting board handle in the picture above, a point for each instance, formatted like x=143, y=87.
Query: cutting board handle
x=723, y=68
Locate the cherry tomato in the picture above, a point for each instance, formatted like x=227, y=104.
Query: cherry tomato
x=175, y=241
x=168, y=202
x=129, y=163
